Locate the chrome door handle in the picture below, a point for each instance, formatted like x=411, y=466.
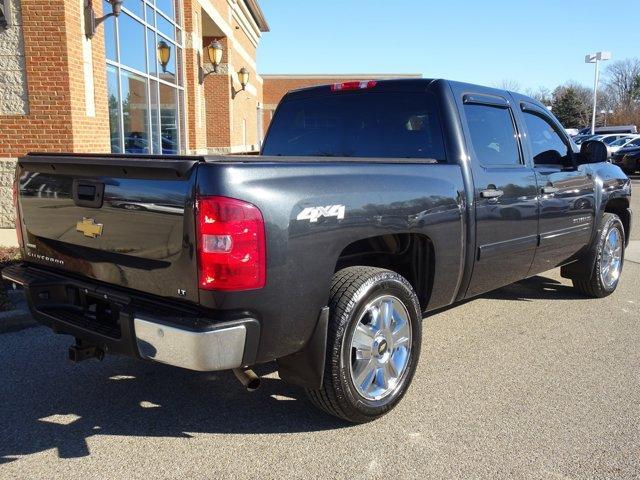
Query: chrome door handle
x=550, y=189
x=491, y=193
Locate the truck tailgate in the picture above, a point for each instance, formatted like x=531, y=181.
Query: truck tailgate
x=120, y=220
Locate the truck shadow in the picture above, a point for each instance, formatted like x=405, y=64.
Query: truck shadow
x=535, y=288
x=49, y=403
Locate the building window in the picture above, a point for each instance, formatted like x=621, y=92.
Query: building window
x=145, y=96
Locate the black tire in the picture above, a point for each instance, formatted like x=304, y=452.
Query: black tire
x=594, y=286
x=351, y=290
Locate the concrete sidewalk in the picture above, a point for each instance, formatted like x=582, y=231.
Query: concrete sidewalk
x=632, y=253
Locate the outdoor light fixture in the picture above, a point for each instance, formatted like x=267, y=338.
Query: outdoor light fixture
x=91, y=22
x=164, y=54
x=596, y=58
x=214, y=52
x=243, y=77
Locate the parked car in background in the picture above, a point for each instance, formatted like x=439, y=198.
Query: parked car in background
x=572, y=132
x=632, y=141
x=578, y=139
x=628, y=157
x=611, y=129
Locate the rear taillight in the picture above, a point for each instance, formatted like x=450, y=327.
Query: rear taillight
x=359, y=85
x=18, y=221
x=231, y=244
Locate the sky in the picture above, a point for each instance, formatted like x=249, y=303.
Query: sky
x=534, y=42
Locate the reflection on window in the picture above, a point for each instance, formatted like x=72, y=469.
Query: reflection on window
x=388, y=125
x=155, y=117
x=134, y=110
x=152, y=46
x=135, y=6
x=546, y=145
x=167, y=70
x=131, y=38
x=168, y=119
x=114, y=109
x=493, y=135
x=166, y=27
x=167, y=7
x=110, y=34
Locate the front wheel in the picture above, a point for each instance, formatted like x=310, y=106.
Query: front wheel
x=373, y=344
x=609, y=259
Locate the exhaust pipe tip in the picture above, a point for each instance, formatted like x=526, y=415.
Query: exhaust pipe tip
x=247, y=378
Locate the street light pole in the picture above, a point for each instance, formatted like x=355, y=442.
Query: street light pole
x=596, y=58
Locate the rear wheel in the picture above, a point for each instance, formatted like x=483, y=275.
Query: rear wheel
x=373, y=344
x=609, y=259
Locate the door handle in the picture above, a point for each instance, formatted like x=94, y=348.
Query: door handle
x=550, y=189
x=491, y=193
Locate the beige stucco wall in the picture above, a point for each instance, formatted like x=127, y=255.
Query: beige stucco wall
x=13, y=79
x=7, y=172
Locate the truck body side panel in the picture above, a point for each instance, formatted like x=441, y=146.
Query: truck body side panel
x=378, y=199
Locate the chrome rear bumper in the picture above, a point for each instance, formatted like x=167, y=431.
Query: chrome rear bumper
x=220, y=348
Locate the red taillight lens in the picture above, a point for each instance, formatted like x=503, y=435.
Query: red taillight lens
x=231, y=244
x=18, y=221
x=359, y=85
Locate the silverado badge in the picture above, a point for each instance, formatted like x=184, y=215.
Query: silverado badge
x=89, y=227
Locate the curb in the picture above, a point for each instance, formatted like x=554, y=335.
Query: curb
x=19, y=318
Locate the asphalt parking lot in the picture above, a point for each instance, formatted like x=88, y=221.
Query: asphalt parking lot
x=531, y=381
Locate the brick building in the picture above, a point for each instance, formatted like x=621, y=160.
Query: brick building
x=63, y=90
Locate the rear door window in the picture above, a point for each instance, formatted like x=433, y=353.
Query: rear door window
x=383, y=125
x=493, y=135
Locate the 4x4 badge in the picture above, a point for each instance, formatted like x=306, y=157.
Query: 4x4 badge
x=89, y=227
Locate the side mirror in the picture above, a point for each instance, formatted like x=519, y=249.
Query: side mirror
x=593, y=151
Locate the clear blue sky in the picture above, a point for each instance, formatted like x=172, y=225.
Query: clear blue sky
x=535, y=42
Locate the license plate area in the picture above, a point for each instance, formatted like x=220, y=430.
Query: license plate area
x=81, y=307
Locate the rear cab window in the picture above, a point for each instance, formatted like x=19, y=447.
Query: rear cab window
x=358, y=124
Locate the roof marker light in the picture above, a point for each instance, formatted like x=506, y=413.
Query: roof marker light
x=357, y=85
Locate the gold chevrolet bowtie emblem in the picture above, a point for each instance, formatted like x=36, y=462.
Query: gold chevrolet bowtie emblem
x=89, y=227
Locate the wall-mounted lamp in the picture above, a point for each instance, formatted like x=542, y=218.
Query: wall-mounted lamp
x=163, y=52
x=5, y=13
x=214, y=53
x=91, y=22
x=243, y=77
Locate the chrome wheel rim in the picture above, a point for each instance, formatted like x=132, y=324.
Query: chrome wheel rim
x=380, y=347
x=611, y=263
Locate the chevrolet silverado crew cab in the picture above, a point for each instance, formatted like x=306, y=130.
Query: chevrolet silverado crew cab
x=371, y=204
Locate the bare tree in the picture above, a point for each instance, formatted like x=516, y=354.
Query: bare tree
x=542, y=94
x=508, y=84
x=623, y=82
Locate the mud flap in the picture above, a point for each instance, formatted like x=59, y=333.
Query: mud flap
x=305, y=368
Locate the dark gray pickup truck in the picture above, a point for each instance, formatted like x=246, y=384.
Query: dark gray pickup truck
x=372, y=204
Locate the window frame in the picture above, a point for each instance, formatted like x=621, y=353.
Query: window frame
x=500, y=103
x=532, y=109
x=178, y=42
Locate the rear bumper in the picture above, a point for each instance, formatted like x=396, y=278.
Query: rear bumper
x=122, y=322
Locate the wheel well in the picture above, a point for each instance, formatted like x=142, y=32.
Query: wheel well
x=620, y=206
x=409, y=254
